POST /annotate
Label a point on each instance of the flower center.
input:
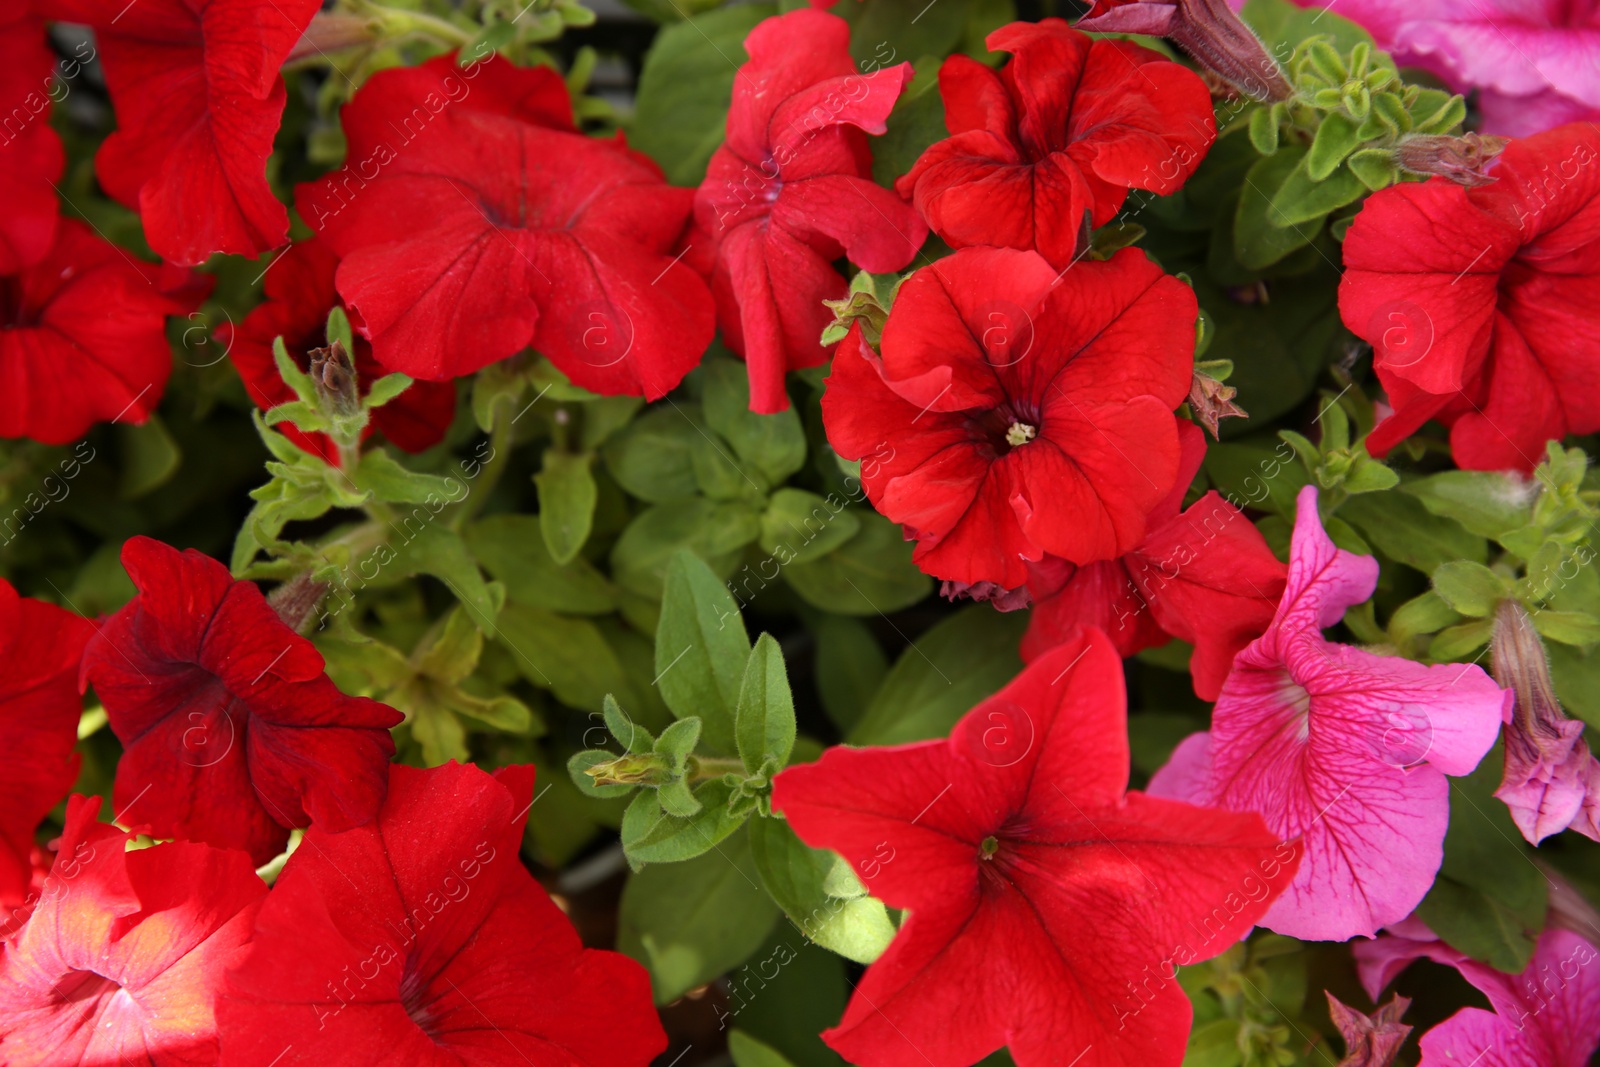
(13, 311)
(990, 846)
(1020, 434)
(414, 998)
(78, 986)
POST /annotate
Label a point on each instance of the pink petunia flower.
(1535, 63)
(1547, 1016)
(1339, 746)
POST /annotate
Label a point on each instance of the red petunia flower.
(83, 338)
(1205, 576)
(232, 732)
(300, 293)
(474, 221)
(199, 100)
(1017, 412)
(791, 190)
(40, 646)
(1049, 909)
(122, 960)
(1478, 302)
(31, 159)
(421, 939)
(1061, 133)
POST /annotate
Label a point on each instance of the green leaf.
(149, 457)
(439, 551)
(675, 838)
(857, 928)
(1375, 168)
(450, 653)
(1260, 241)
(1367, 475)
(513, 550)
(1456, 642)
(677, 799)
(295, 378)
(775, 445)
(1470, 588)
(1489, 503)
(690, 922)
(701, 649)
(1404, 530)
(1257, 472)
(1489, 899)
(441, 736)
(629, 734)
(713, 530)
(800, 526)
(567, 496)
(748, 1052)
(685, 88)
(653, 459)
(1264, 130)
(763, 723)
(1335, 139)
(945, 672)
(1304, 201)
(916, 122)
(1577, 628)
(678, 740)
(871, 574)
(568, 656)
(387, 480)
(1423, 614)
(850, 668)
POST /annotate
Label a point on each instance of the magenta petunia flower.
(1547, 1016)
(1535, 63)
(1340, 746)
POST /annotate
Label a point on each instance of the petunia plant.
(798, 532)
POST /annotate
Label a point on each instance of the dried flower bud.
(335, 378)
(1370, 1040)
(1207, 30)
(1002, 598)
(1461, 159)
(1211, 401)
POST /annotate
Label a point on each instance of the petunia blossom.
(1049, 909)
(122, 959)
(198, 99)
(1053, 142)
(1532, 62)
(791, 190)
(1546, 1016)
(1551, 780)
(232, 733)
(1019, 411)
(1477, 301)
(1340, 747)
(421, 939)
(83, 338)
(473, 220)
(31, 159)
(300, 293)
(40, 647)
(1205, 576)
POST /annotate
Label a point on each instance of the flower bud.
(335, 379)
(645, 768)
(1461, 159)
(1548, 767)
(1211, 401)
(1207, 30)
(1370, 1040)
